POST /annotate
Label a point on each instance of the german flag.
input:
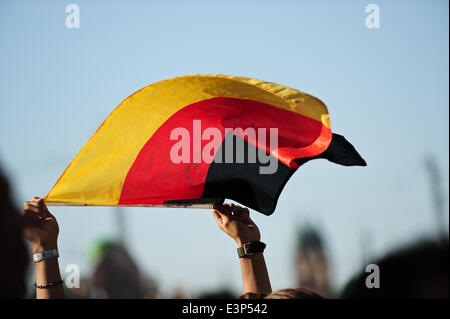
(198, 139)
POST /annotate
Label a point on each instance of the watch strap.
(252, 248)
(44, 255)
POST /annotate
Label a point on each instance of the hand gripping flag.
(197, 139)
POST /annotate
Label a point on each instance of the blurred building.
(116, 275)
(312, 266)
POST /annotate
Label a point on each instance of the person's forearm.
(47, 271)
(255, 278)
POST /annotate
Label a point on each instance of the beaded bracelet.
(49, 285)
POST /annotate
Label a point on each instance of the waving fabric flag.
(197, 139)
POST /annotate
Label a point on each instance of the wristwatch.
(44, 255)
(248, 249)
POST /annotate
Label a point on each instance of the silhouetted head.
(293, 293)
(289, 293)
(419, 271)
(218, 294)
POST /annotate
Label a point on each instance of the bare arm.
(255, 277)
(41, 229)
(236, 222)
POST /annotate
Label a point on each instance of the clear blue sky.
(386, 90)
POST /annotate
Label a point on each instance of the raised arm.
(236, 222)
(41, 229)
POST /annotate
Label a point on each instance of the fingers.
(224, 213)
(32, 206)
(221, 214)
(31, 213)
(241, 214)
(40, 204)
(219, 207)
(223, 209)
(35, 211)
(217, 216)
(232, 210)
(44, 208)
(238, 210)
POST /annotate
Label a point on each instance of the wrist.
(40, 247)
(241, 241)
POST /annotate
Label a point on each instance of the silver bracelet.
(44, 255)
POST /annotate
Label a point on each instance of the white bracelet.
(44, 255)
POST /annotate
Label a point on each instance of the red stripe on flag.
(154, 178)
